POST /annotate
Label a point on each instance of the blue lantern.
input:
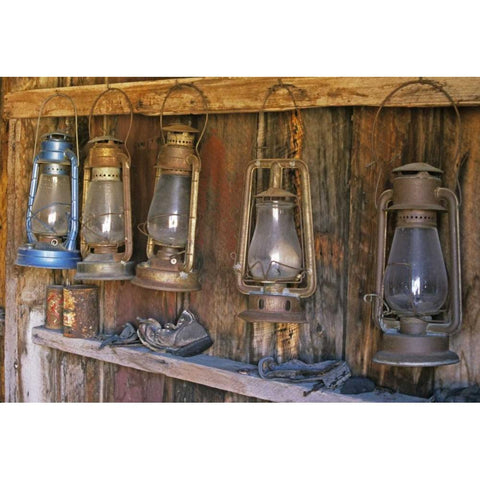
(52, 212)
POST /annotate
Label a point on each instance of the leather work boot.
(185, 338)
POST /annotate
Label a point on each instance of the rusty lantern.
(106, 234)
(172, 215)
(417, 301)
(52, 211)
(422, 306)
(276, 266)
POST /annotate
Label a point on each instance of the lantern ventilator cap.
(417, 167)
(57, 136)
(180, 127)
(105, 139)
(180, 134)
(275, 193)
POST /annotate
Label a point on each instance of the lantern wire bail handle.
(261, 124)
(111, 89)
(40, 115)
(436, 86)
(179, 86)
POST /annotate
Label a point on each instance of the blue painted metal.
(37, 255)
(56, 148)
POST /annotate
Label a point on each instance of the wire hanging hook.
(438, 87)
(179, 86)
(110, 89)
(261, 123)
(40, 116)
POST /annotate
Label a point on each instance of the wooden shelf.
(243, 94)
(215, 372)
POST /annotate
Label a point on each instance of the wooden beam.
(11, 309)
(242, 95)
(211, 371)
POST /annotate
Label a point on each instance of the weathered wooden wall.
(3, 233)
(337, 151)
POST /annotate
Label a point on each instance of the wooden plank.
(244, 94)
(225, 153)
(467, 342)
(3, 199)
(2, 360)
(328, 137)
(220, 373)
(11, 336)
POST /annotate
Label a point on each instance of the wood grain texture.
(11, 337)
(246, 95)
(327, 149)
(3, 198)
(467, 342)
(225, 153)
(215, 372)
(3, 230)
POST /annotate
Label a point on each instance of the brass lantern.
(417, 301)
(106, 234)
(172, 215)
(276, 262)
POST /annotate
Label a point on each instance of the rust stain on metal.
(80, 314)
(54, 310)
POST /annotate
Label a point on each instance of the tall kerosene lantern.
(276, 263)
(418, 303)
(172, 215)
(52, 211)
(106, 230)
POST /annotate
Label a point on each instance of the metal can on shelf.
(80, 311)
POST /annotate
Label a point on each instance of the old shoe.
(185, 338)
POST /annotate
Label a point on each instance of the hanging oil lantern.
(418, 304)
(106, 233)
(276, 266)
(276, 263)
(172, 215)
(52, 211)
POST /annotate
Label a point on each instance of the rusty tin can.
(80, 311)
(54, 309)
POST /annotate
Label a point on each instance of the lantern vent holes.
(417, 217)
(107, 175)
(261, 304)
(52, 169)
(288, 306)
(180, 139)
